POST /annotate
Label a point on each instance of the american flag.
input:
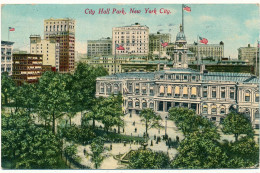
(11, 29)
(186, 8)
(203, 40)
(119, 47)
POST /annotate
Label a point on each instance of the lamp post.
(166, 118)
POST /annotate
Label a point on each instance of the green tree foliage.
(71, 153)
(7, 87)
(236, 123)
(150, 119)
(243, 153)
(147, 159)
(84, 85)
(29, 97)
(110, 111)
(197, 152)
(77, 134)
(54, 99)
(186, 120)
(27, 146)
(97, 148)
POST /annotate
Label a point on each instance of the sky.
(237, 25)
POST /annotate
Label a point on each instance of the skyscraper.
(63, 32)
(134, 39)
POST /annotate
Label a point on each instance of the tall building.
(63, 32)
(248, 54)
(48, 48)
(134, 38)
(208, 51)
(102, 47)
(27, 68)
(7, 56)
(155, 41)
(210, 94)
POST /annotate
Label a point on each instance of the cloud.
(206, 18)
(252, 23)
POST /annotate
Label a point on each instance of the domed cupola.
(181, 36)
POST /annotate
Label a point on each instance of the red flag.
(164, 44)
(203, 40)
(186, 8)
(119, 47)
(11, 29)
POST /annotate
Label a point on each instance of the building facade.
(62, 31)
(7, 56)
(134, 38)
(49, 50)
(155, 41)
(248, 54)
(208, 51)
(210, 94)
(102, 47)
(27, 67)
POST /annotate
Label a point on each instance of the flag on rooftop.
(11, 29)
(203, 40)
(119, 47)
(186, 8)
(164, 44)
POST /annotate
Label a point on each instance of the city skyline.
(214, 22)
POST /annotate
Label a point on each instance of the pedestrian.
(177, 138)
(84, 151)
(154, 137)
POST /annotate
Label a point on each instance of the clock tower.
(180, 51)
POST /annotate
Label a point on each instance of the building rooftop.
(206, 77)
(7, 42)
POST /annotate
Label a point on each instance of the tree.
(110, 112)
(187, 120)
(28, 96)
(147, 159)
(237, 123)
(7, 87)
(97, 148)
(71, 153)
(243, 153)
(84, 85)
(197, 152)
(54, 99)
(27, 146)
(150, 119)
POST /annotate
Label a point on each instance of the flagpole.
(8, 33)
(115, 59)
(197, 51)
(257, 49)
(182, 18)
(160, 52)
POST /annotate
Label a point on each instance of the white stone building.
(7, 56)
(49, 49)
(134, 38)
(210, 94)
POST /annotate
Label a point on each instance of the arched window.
(137, 104)
(102, 88)
(179, 57)
(144, 105)
(108, 89)
(247, 96)
(151, 105)
(130, 103)
(116, 88)
(222, 110)
(247, 113)
(205, 109)
(257, 114)
(214, 109)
